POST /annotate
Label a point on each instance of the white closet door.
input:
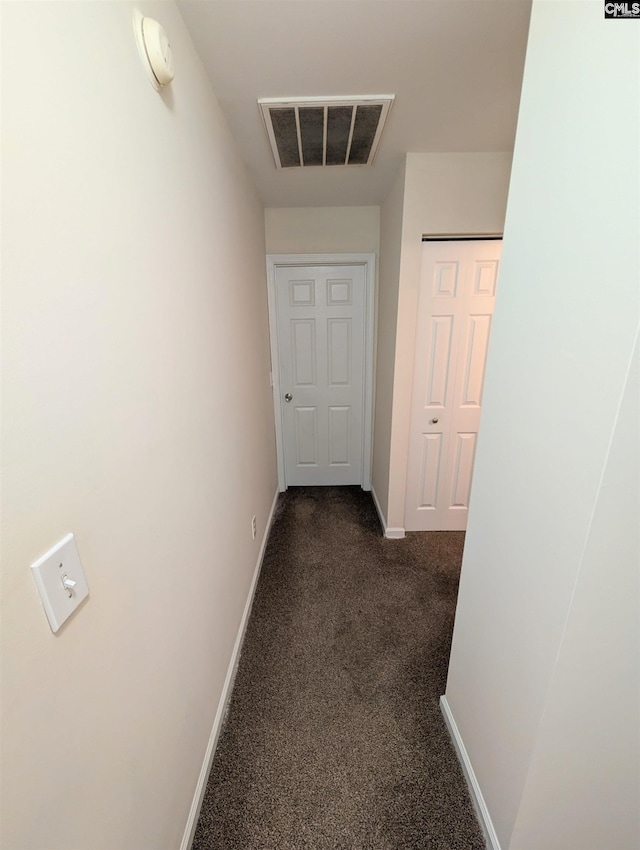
(456, 301)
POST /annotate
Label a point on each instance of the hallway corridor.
(334, 737)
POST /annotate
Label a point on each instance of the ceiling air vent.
(325, 131)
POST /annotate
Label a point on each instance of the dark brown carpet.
(334, 738)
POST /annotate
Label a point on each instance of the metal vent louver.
(325, 131)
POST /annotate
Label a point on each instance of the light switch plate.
(60, 564)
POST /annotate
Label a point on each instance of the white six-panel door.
(457, 295)
(320, 315)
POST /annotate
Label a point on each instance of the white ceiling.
(455, 67)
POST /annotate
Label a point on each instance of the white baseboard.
(381, 517)
(477, 799)
(201, 785)
(393, 533)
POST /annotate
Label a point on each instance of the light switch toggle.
(68, 584)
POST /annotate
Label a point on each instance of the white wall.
(582, 788)
(547, 713)
(322, 230)
(137, 413)
(443, 194)
(391, 221)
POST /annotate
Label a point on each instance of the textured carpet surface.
(334, 738)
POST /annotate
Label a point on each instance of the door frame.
(368, 262)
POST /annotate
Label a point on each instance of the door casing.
(368, 261)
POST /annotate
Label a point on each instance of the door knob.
(288, 397)
(434, 421)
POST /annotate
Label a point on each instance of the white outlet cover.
(48, 572)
